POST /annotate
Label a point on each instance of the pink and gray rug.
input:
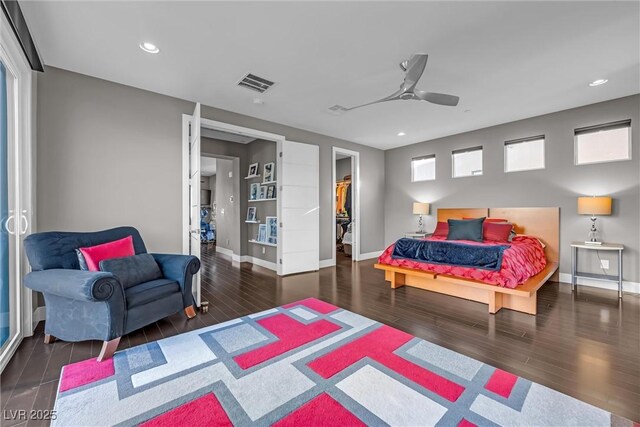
(307, 363)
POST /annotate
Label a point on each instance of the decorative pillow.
(465, 229)
(82, 261)
(116, 249)
(442, 229)
(133, 270)
(497, 231)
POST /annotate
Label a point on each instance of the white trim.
(631, 287)
(186, 120)
(324, 263)
(239, 130)
(257, 261)
(39, 315)
(355, 194)
(370, 255)
(224, 251)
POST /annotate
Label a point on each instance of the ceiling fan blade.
(438, 98)
(391, 97)
(415, 68)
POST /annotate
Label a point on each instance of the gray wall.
(559, 184)
(343, 168)
(109, 155)
(100, 143)
(228, 205)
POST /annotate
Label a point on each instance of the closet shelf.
(252, 222)
(268, 182)
(261, 200)
(252, 176)
(263, 243)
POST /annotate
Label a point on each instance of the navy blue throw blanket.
(450, 253)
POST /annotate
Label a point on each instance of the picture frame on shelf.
(253, 170)
(262, 233)
(268, 172)
(271, 191)
(263, 192)
(251, 214)
(254, 192)
(271, 229)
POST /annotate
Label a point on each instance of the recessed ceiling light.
(598, 82)
(149, 47)
(401, 134)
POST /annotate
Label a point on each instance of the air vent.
(337, 109)
(253, 82)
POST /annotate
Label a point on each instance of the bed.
(530, 261)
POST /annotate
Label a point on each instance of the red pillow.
(496, 232)
(491, 219)
(442, 230)
(116, 249)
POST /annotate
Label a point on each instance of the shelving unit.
(263, 243)
(262, 200)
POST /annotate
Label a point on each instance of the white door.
(298, 208)
(194, 195)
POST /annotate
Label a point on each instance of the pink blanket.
(524, 259)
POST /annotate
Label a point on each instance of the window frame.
(467, 150)
(522, 141)
(428, 156)
(620, 124)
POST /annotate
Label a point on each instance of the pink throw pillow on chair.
(116, 249)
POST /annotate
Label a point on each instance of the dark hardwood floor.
(586, 345)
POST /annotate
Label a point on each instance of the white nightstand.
(416, 235)
(606, 277)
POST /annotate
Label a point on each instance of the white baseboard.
(224, 251)
(257, 261)
(324, 263)
(39, 315)
(370, 255)
(632, 287)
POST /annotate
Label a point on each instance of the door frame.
(23, 186)
(213, 125)
(355, 195)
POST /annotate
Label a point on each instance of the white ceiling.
(506, 60)
(208, 166)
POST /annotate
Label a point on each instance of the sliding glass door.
(16, 319)
(7, 243)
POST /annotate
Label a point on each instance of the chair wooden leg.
(48, 339)
(108, 348)
(190, 312)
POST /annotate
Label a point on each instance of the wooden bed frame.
(543, 223)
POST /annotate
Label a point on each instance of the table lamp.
(594, 206)
(420, 209)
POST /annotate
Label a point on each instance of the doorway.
(346, 206)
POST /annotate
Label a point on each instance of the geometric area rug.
(303, 364)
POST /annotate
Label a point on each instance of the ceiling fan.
(414, 67)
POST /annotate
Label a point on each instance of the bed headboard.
(543, 223)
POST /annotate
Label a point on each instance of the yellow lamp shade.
(594, 205)
(420, 208)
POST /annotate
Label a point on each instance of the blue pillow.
(133, 270)
(465, 229)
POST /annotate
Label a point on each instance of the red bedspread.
(524, 259)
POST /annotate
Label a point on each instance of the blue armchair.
(94, 305)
